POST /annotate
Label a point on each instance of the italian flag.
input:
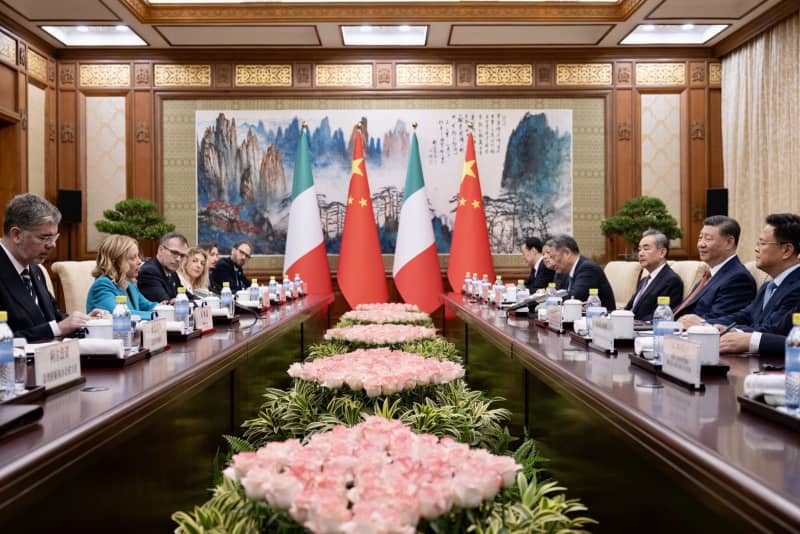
(305, 247)
(416, 265)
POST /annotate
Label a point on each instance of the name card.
(203, 319)
(154, 334)
(554, 318)
(681, 359)
(603, 333)
(57, 364)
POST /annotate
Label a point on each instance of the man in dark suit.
(30, 231)
(540, 274)
(230, 269)
(158, 280)
(661, 280)
(728, 287)
(771, 311)
(579, 273)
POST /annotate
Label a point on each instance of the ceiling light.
(400, 35)
(673, 34)
(119, 35)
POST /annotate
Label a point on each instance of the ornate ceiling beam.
(380, 12)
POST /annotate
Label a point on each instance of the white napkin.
(642, 344)
(101, 346)
(771, 385)
(248, 303)
(30, 348)
(219, 312)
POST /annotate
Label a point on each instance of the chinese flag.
(469, 250)
(361, 276)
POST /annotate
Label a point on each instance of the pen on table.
(727, 329)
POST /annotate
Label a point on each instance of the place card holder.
(26, 396)
(224, 319)
(57, 366)
(180, 337)
(112, 361)
(540, 323)
(586, 342)
(706, 371)
(760, 408)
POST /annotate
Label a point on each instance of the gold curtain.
(761, 128)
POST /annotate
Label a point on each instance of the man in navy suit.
(30, 232)
(579, 273)
(661, 280)
(771, 312)
(540, 274)
(158, 278)
(728, 287)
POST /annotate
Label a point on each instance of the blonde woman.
(117, 263)
(193, 272)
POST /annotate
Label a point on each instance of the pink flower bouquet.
(386, 317)
(388, 306)
(377, 371)
(380, 334)
(375, 477)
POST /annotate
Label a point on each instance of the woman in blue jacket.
(118, 262)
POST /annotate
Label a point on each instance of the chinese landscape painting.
(245, 164)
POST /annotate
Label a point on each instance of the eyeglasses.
(47, 239)
(243, 253)
(175, 253)
(760, 244)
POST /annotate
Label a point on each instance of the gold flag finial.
(414, 125)
(359, 125)
(469, 125)
(304, 126)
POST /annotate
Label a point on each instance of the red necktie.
(696, 291)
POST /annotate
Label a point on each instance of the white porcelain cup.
(622, 321)
(212, 302)
(166, 311)
(571, 310)
(99, 329)
(541, 313)
(708, 338)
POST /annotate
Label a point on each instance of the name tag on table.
(203, 319)
(554, 318)
(603, 333)
(154, 334)
(57, 364)
(681, 359)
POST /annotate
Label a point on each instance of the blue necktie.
(771, 287)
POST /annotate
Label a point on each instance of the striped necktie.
(642, 288)
(771, 287)
(26, 278)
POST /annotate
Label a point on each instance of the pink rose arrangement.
(380, 334)
(388, 306)
(386, 316)
(377, 371)
(375, 477)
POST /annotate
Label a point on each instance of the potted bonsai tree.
(134, 217)
(637, 215)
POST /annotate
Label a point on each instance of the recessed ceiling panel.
(62, 10)
(704, 9)
(527, 34)
(211, 36)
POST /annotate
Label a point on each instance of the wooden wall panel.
(624, 183)
(716, 175)
(9, 102)
(142, 185)
(698, 163)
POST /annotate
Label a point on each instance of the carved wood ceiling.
(466, 24)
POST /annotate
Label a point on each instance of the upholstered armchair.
(623, 277)
(76, 279)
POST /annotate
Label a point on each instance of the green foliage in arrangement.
(437, 347)
(443, 410)
(640, 214)
(529, 506)
(134, 217)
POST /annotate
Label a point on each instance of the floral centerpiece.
(380, 334)
(379, 316)
(388, 306)
(377, 371)
(376, 477)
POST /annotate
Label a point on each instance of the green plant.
(639, 214)
(134, 217)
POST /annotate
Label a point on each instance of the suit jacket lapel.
(18, 291)
(42, 293)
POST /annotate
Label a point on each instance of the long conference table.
(669, 459)
(130, 446)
